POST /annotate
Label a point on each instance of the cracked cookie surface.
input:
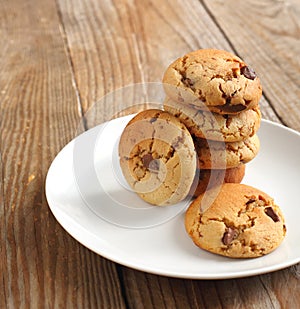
(157, 157)
(209, 125)
(219, 155)
(241, 222)
(214, 79)
(208, 179)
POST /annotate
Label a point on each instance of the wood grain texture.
(114, 44)
(41, 265)
(151, 291)
(266, 35)
(60, 60)
(3, 291)
(133, 42)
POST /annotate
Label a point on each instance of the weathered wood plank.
(266, 35)
(118, 43)
(41, 265)
(3, 291)
(151, 291)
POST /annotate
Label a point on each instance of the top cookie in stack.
(216, 95)
(213, 79)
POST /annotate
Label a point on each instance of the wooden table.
(60, 57)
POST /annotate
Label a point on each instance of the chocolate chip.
(231, 108)
(272, 214)
(229, 235)
(251, 200)
(153, 119)
(147, 158)
(150, 163)
(248, 72)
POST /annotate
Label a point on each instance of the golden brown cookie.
(208, 179)
(213, 79)
(157, 157)
(212, 126)
(219, 155)
(241, 222)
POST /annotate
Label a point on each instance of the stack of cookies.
(202, 139)
(216, 95)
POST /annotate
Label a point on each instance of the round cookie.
(219, 155)
(213, 79)
(241, 222)
(212, 126)
(208, 179)
(157, 157)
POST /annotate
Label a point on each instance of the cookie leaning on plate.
(213, 79)
(241, 222)
(157, 157)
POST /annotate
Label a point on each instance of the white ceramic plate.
(89, 198)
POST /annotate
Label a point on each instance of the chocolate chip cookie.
(157, 157)
(208, 179)
(219, 155)
(212, 126)
(213, 79)
(241, 222)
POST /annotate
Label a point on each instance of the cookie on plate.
(208, 179)
(212, 126)
(241, 222)
(213, 79)
(157, 157)
(219, 155)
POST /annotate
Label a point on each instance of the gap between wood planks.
(3, 301)
(236, 53)
(71, 64)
